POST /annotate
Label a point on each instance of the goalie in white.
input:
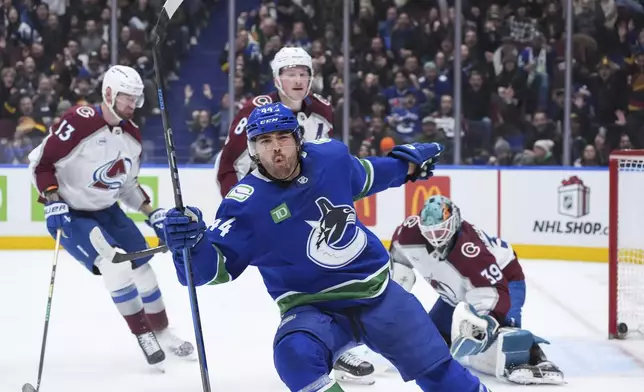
(482, 292)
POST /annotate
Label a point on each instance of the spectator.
(401, 71)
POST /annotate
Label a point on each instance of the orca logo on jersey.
(335, 240)
(112, 175)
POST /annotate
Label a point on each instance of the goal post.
(626, 243)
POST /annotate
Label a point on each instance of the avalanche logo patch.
(111, 175)
(335, 240)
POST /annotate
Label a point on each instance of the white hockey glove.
(471, 333)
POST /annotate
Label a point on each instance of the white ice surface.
(90, 348)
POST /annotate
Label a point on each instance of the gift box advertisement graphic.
(574, 198)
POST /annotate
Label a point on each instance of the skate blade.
(159, 367)
(344, 377)
(28, 388)
(525, 377)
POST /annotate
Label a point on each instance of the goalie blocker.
(482, 291)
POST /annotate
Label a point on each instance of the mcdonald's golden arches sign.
(417, 192)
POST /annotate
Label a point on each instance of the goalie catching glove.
(423, 155)
(471, 333)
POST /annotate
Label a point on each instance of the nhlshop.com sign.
(556, 207)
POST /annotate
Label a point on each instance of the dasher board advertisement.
(548, 214)
(564, 208)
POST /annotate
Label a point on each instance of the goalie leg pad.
(511, 357)
(511, 348)
(471, 333)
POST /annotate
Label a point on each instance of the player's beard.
(283, 163)
(124, 115)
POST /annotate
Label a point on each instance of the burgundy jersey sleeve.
(75, 124)
(489, 292)
(234, 159)
(513, 271)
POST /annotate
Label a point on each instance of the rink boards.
(545, 213)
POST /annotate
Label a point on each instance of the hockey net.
(626, 244)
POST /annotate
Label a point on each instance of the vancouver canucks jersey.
(305, 238)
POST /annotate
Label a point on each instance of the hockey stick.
(28, 387)
(158, 35)
(108, 252)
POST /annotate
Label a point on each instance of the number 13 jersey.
(91, 163)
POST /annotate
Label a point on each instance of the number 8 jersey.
(90, 163)
(475, 268)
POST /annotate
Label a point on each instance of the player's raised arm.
(408, 162)
(220, 253)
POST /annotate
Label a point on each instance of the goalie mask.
(440, 219)
(289, 58)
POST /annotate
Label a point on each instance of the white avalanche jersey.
(476, 269)
(90, 163)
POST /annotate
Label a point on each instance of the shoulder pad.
(261, 100)
(409, 232)
(321, 99)
(330, 146)
(240, 193)
(81, 113)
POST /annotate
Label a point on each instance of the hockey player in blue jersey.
(293, 218)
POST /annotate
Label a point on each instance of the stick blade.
(103, 248)
(28, 388)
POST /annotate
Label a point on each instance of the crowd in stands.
(402, 78)
(513, 52)
(53, 54)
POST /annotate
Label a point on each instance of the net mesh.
(630, 244)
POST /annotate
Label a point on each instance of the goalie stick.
(28, 387)
(158, 36)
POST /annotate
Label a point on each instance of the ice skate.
(539, 371)
(353, 369)
(543, 373)
(152, 350)
(177, 346)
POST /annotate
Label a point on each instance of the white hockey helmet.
(288, 57)
(122, 79)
